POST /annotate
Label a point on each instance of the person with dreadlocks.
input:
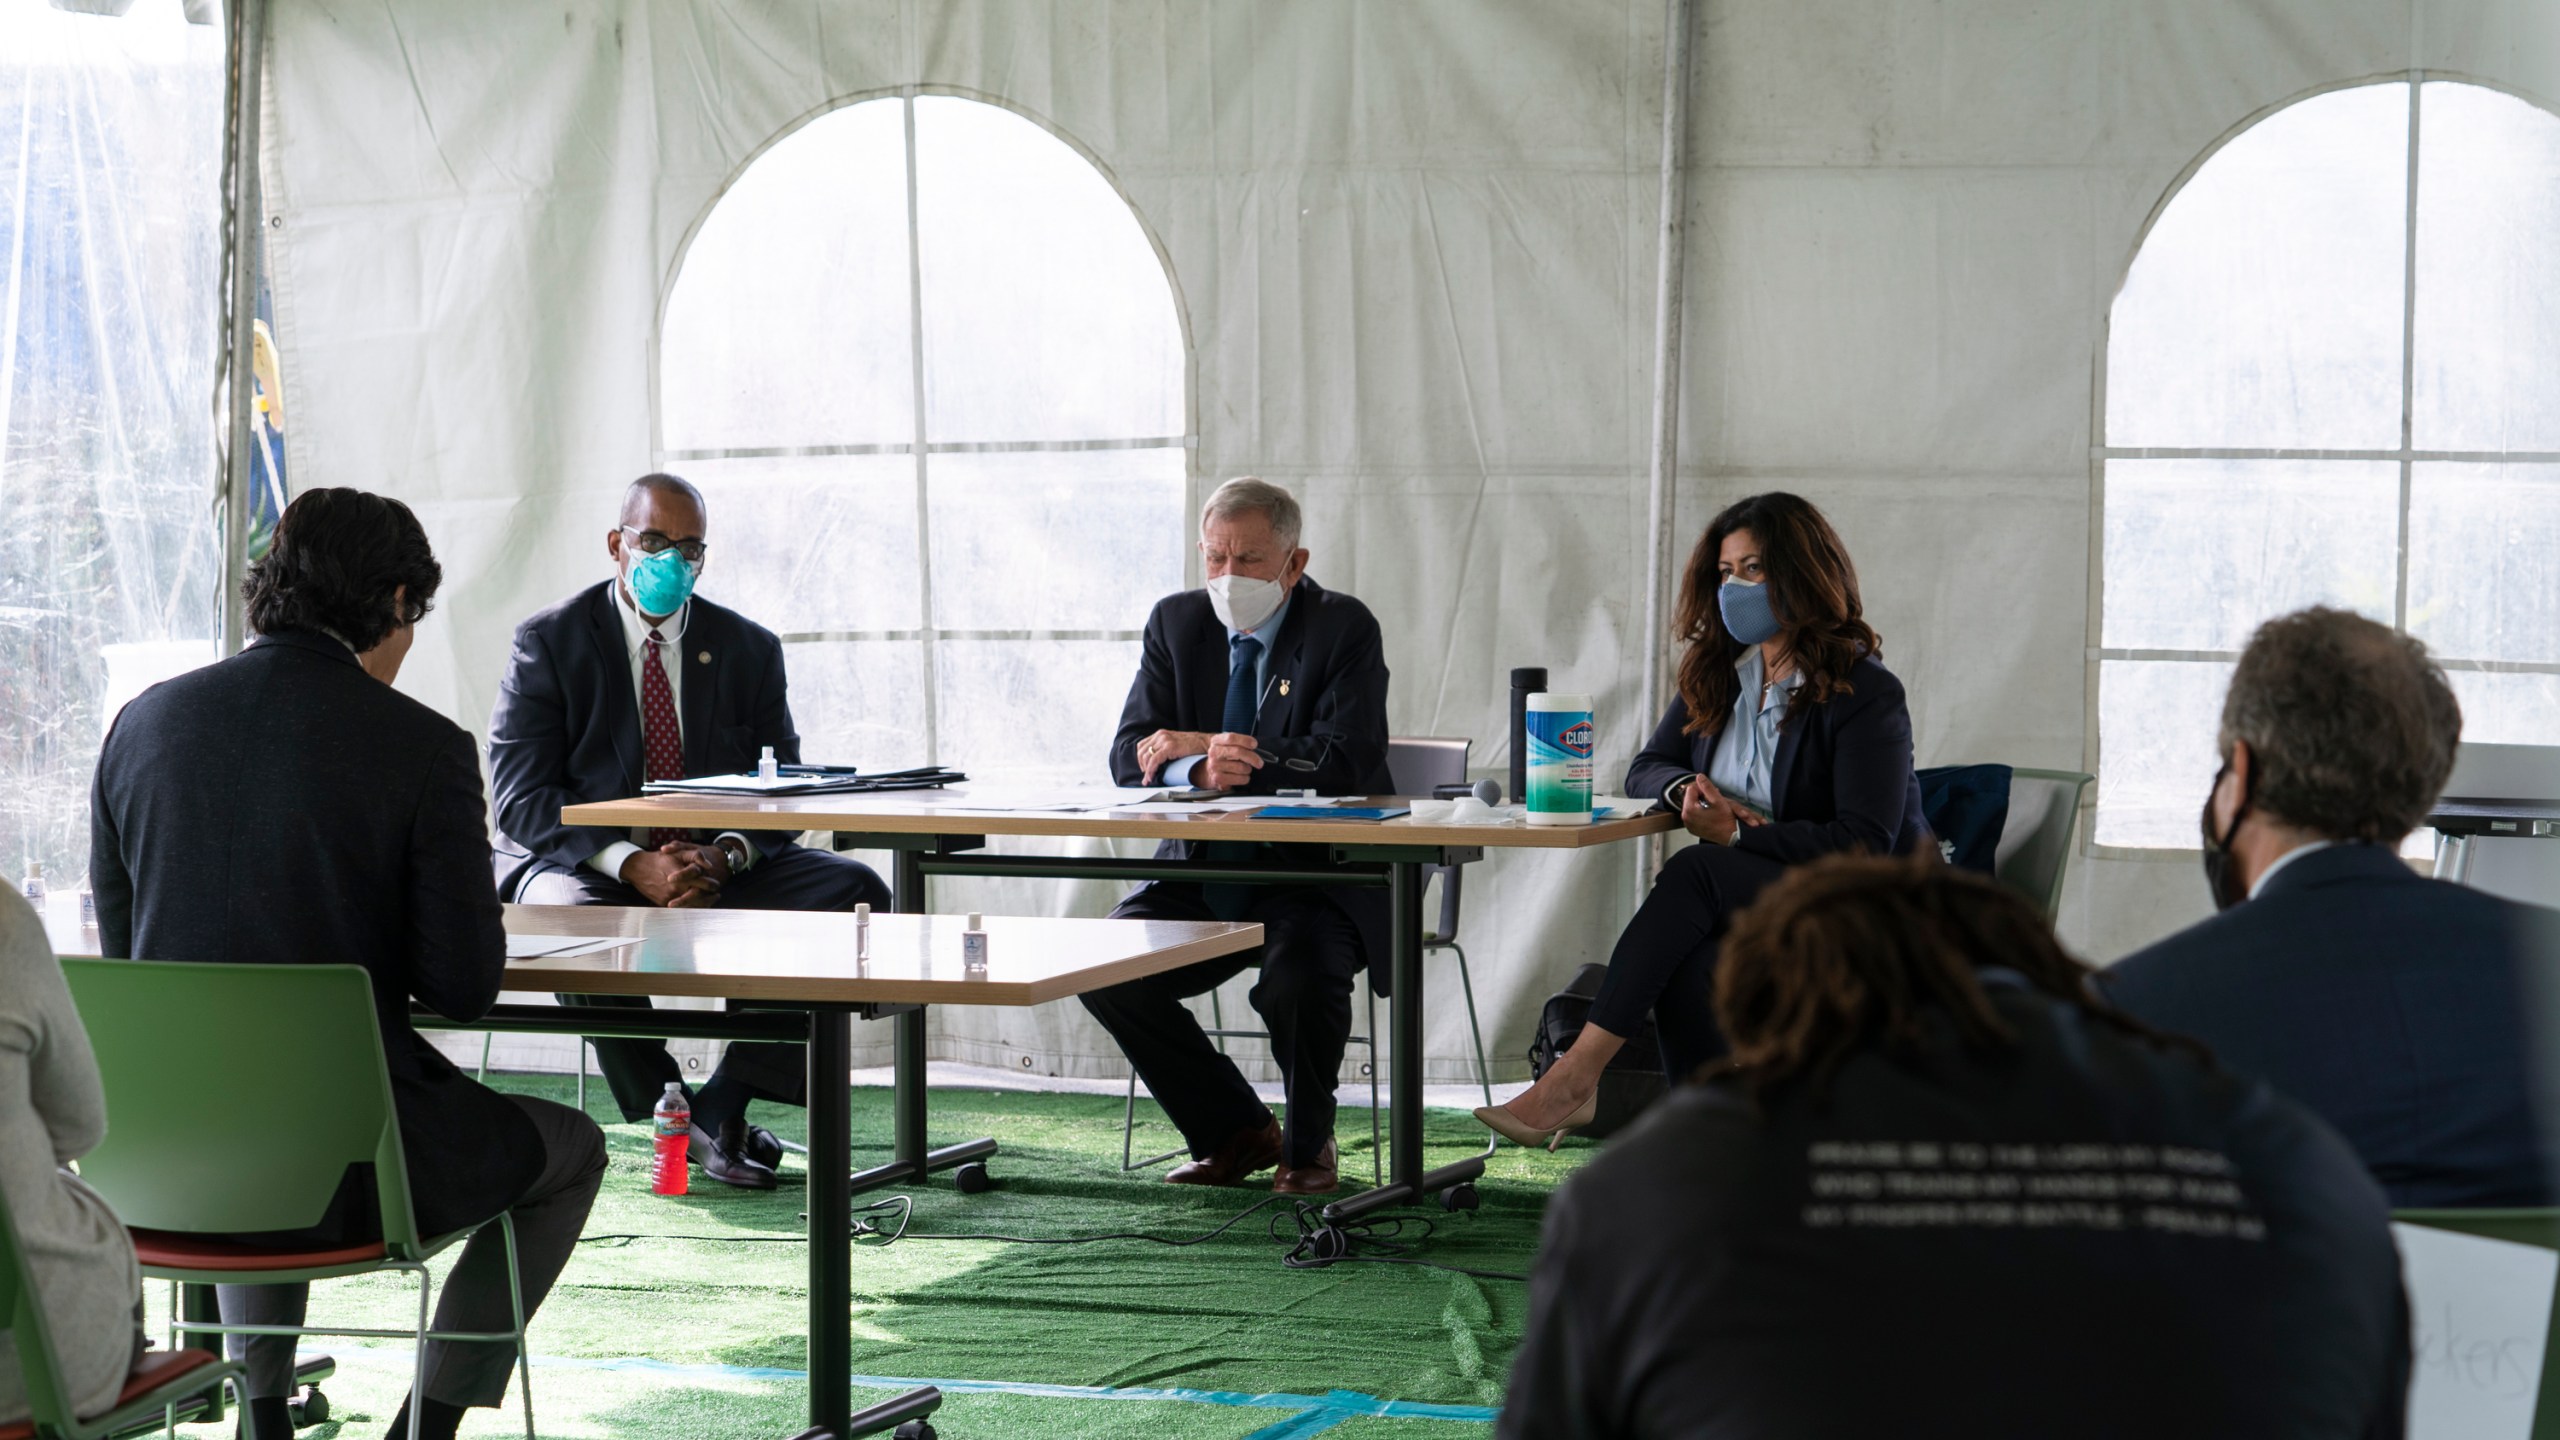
(1938, 1186)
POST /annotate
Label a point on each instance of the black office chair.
(1421, 765)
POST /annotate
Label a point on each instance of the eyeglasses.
(653, 543)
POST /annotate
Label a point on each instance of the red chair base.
(172, 1250)
(155, 1369)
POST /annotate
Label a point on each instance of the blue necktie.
(1242, 703)
(1229, 902)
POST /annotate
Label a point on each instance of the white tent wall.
(1908, 222)
(1414, 247)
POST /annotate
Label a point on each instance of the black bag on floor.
(1634, 1077)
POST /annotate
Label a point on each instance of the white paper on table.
(1202, 807)
(1068, 799)
(554, 947)
(2481, 1313)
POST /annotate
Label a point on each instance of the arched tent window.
(929, 371)
(2333, 376)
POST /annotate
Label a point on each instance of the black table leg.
(830, 1219)
(909, 1159)
(1407, 1181)
(196, 1302)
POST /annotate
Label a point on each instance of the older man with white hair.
(1262, 681)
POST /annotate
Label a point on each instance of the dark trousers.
(1311, 956)
(547, 1221)
(1666, 957)
(793, 878)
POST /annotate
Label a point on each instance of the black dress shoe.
(764, 1147)
(724, 1158)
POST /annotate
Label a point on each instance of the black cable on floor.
(1315, 1244)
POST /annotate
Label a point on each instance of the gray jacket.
(53, 1111)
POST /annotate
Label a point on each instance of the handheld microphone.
(1488, 791)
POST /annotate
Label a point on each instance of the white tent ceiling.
(1414, 245)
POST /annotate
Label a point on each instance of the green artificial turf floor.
(688, 1316)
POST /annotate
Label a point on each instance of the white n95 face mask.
(1243, 602)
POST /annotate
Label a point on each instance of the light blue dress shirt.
(1745, 762)
(1178, 774)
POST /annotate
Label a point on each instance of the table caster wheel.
(309, 1408)
(914, 1430)
(972, 1179)
(1460, 1197)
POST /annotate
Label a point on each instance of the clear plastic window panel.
(2508, 708)
(1047, 313)
(2198, 552)
(110, 152)
(2488, 294)
(858, 702)
(2484, 561)
(1055, 539)
(2265, 308)
(2157, 724)
(1038, 710)
(813, 543)
(788, 324)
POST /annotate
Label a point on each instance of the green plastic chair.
(159, 1381)
(204, 1146)
(2520, 1227)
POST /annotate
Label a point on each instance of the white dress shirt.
(2287, 858)
(635, 639)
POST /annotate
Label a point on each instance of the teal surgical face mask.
(660, 583)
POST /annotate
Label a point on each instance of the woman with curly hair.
(1789, 741)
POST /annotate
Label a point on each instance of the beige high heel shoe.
(1502, 1122)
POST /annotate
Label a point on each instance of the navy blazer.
(1842, 779)
(284, 807)
(566, 730)
(1323, 721)
(2391, 1004)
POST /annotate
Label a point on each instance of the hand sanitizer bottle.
(33, 888)
(767, 768)
(973, 946)
(862, 931)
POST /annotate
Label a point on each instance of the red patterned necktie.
(660, 735)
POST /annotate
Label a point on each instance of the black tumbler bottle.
(1525, 682)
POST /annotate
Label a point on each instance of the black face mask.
(2221, 875)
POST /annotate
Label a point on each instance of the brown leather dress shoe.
(1245, 1152)
(1320, 1176)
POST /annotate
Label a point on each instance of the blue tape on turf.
(1317, 1413)
(1300, 1425)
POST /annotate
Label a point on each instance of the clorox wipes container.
(1559, 741)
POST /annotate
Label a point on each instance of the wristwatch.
(736, 850)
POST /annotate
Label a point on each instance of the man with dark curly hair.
(2396, 1007)
(288, 807)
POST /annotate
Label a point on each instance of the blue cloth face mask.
(1745, 607)
(660, 583)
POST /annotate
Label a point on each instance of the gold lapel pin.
(704, 657)
(1284, 687)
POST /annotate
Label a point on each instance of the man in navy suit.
(1263, 681)
(637, 679)
(2399, 1008)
